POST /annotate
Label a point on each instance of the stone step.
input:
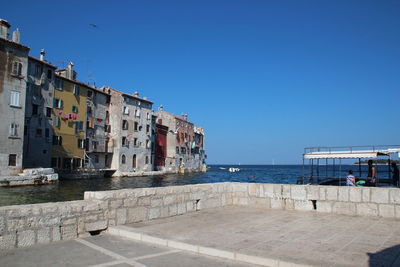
(131, 233)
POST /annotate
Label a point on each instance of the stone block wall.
(26, 225)
(363, 201)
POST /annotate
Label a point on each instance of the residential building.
(179, 144)
(38, 130)
(13, 75)
(69, 111)
(132, 132)
(98, 151)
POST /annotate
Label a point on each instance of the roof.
(131, 96)
(81, 83)
(43, 61)
(177, 117)
(351, 154)
(14, 43)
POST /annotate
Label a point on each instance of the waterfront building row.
(51, 119)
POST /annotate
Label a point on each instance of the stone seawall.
(26, 225)
(363, 201)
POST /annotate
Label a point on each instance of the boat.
(222, 168)
(234, 170)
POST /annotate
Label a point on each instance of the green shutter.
(61, 104)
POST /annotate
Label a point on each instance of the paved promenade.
(228, 236)
(277, 237)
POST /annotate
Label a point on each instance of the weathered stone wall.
(26, 225)
(364, 201)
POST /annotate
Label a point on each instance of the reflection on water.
(73, 189)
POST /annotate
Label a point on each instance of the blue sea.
(73, 189)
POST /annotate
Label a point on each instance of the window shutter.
(19, 68)
(61, 104)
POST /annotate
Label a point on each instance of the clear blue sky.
(265, 78)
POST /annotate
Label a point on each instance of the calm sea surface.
(73, 189)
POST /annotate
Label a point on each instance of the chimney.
(42, 54)
(4, 29)
(136, 94)
(16, 36)
(161, 108)
(145, 97)
(185, 116)
(70, 71)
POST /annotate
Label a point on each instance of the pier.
(237, 224)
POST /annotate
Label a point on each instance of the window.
(35, 109)
(148, 116)
(57, 122)
(57, 140)
(48, 112)
(35, 90)
(49, 74)
(25, 130)
(124, 141)
(136, 126)
(75, 109)
(177, 149)
(147, 159)
(81, 143)
(38, 132)
(47, 133)
(58, 103)
(89, 93)
(134, 161)
(148, 143)
(123, 159)
(12, 160)
(183, 150)
(96, 158)
(135, 142)
(94, 145)
(78, 126)
(137, 113)
(17, 69)
(126, 110)
(38, 70)
(15, 99)
(14, 130)
(55, 162)
(147, 128)
(59, 84)
(124, 125)
(76, 90)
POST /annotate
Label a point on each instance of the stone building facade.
(184, 144)
(38, 132)
(98, 154)
(13, 75)
(132, 133)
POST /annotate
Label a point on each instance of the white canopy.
(350, 154)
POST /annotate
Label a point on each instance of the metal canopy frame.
(316, 154)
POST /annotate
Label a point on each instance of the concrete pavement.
(106, 250)
(276, 237)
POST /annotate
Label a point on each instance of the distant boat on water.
(222, 168)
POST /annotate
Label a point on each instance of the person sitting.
(351, 179)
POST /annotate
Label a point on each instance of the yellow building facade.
(69, 124)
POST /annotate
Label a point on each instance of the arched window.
(123, 159)
(134, 161)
